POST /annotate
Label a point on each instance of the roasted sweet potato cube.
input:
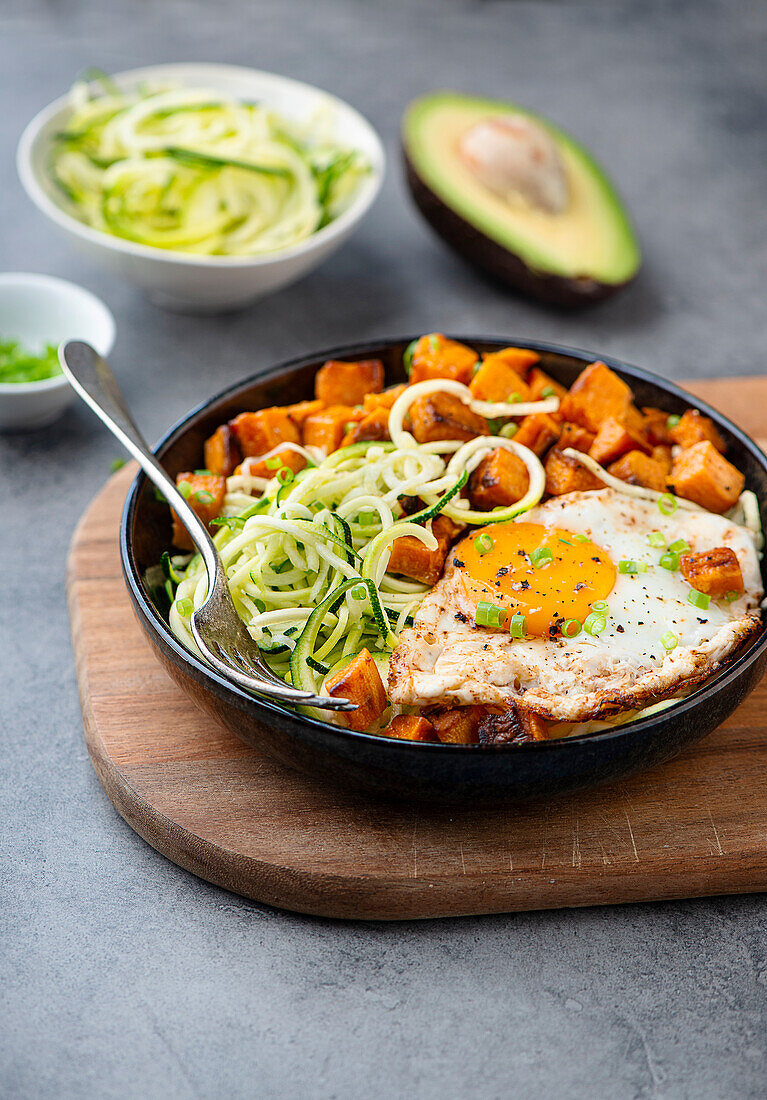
(538, 431)
(458, 725)
(360, 682)
(222, 453)
(566, 475)
(637, 468)
(339, 383)
(442, 415)
(500, 479)
(205, 493)
(260, 432)
(540, 384)
(385, 400)
(411, 727)
(434, 356)
(615, 438)
(410, 557)
(373, 426)
(573, 435)
(694, 428)
(521, 359)
(655, 423)
(596, 394)
(328, 427)
(715, 572)
(298, 413)
(496, 380)
(515, 726)
(662, 455)
(704, 476)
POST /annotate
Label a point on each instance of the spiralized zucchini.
(194, 170)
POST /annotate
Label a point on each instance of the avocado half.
(583, 253)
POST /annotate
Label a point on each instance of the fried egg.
(552, 566)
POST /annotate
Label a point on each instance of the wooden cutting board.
(695, 826)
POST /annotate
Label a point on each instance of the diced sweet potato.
(540, 383)
(655, 423)
(566, 475)
(704, 476)
(458, 725)
(615, 438)
(328, 427)
(259, 432)
(410, 557)
(339, 383)
(521, 359)
(373, 426)
(298, 413)
(515, 726)
(538, 431)
(695, 428)
(662, 455)
(715, 572)
(573, 435)
(222, 453)
(497, 380)
(385, 400)
(596, 394)
(637, 468)
(410, 727)
(442, 415)
(360, 682)
(500, 479)
(434, 356)
(205, 493)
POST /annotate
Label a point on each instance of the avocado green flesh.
(591, 238)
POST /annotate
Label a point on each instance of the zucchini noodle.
(195, 170)
(637, 491)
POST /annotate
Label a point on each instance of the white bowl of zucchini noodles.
(207, 186)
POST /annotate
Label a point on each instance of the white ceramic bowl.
(39, 310)
(179, 280)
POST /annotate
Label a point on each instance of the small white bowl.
(178, 280)
(39, 310)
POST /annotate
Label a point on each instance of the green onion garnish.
(602, 606)
(594, 624)
(204, 473)
(203, 496)
(483, 543)
(350, 425)
(185, 489)
(670, 562)
(571, 628)
(698, 599)
(565, 542)
(518, 626)
(669, 641)
(366, 519)
(581, 538)
(407, 356)
(541, 557)
(679, 547)
(629, 566)
(655, 538)
(667, 504)
(673, 421)
(184, 608)
(359, 593)
(730, 596)
(508, 431)
(476, 367)
(285, 475)
(273, 463)
(514, 399)
(489, 614)
(548, 391)
(116, 464)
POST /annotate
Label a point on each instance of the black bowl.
(415, 770)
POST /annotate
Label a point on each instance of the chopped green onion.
(730, 596)
(184, 608)
(494, 425)
(273, 463)
(594, 624)
(667, 504)
(204, 473)
(679, 547)
(541, 557)
(571, 628)
(433, 343)
(602, 606)
(476, 367)
(350, 425)
(483, 543)
(672, 421)
(629, 566)
(698, 599)
(656, 538)
(116, 464)
(508, 431)
(359, 593)
(565, 542)
(366, 519)
(670, 562)
(669, 641)
(581, 538)
(407, 356)
(285, 475)
(203, 496)
(518, 626)
(158, 495)
(548, 391)
(514, 399)
(185, 489)
(489, 614)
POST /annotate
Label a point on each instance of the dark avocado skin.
(485, 253)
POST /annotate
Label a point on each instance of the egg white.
(443, 659)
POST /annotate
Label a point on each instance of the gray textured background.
(123, 976)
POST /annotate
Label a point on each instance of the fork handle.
(90, 376)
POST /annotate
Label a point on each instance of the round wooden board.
(695, 826)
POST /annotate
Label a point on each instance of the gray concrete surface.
(123, 976)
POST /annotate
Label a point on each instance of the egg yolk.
(545, 574)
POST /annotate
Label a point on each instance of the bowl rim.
(733, 671)
(362, 202)
(65, 287)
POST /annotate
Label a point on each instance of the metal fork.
(216, 627)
